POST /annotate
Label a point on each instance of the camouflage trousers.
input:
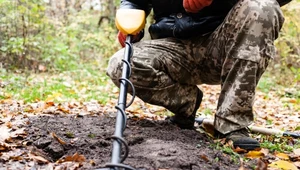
(166, 72)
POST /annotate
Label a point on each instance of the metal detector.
(129, 22)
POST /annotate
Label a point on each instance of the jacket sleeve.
(137, 4)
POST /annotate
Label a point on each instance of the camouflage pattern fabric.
(166, 72)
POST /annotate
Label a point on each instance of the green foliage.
(85, 84)
(266, 84)
(80, 40)
(31, 37)
(279, 144)
(227, 150)
(19, 21)
(288, 43)
(284, 72)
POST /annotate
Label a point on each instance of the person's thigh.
(159, 63)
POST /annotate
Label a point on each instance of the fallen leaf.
(297, 151)
(19, 134)
(92, 162)
(239, 150)
(68, 166)
(16, 158)
(293, 101)
(49, 103)
(264, 151)
(209, 129)
(74, 158)
(4, 147)
(204, 157)
(284, 165)
(242, 165)
(53, 97)
(262, 165)
(78, 158)
(9, 124)
(58, 139)
(297, 164)
(8, 140)
(254, 154)
(38, 159)
(61, 108)
(282, 156)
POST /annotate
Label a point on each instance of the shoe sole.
(247, 146)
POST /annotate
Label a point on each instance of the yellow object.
(130, 21)
(284, 165)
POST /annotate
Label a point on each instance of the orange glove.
(194, 6)
(135, 38)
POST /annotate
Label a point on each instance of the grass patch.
(235, 157)
(279, 144)
(266, 84)
(84, 84)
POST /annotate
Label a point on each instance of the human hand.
(194, 6)
(135, 38)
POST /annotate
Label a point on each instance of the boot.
(240, 138)
(187, 122)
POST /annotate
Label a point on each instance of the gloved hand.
(135, 38)
(194, 6)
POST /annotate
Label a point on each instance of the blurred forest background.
(77, 37)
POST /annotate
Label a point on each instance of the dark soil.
(153, 144)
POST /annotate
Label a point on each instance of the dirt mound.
(153, 144)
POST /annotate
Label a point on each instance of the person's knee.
(114, 68)
(264, 14)
(266, 10)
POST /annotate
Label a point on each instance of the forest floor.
(78, 135)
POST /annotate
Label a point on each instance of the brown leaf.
(19, 134)
(9, 125)
(242, 165)
(16, 158)
(38, 159)
(239, 150)
(8, 140)
(78, 158)
(68, 166)
(60, 108)
(209, 129)
(204, 157)
(58, 139)
(293, 101)
(262, 165)
(4, 147)
(74, 158)
(49, 103)
(92, 162)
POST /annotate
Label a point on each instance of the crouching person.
(203, 42)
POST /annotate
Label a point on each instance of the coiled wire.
(120, 139)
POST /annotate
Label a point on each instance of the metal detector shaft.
(120, 124)
(256, 129)
(121, 118)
